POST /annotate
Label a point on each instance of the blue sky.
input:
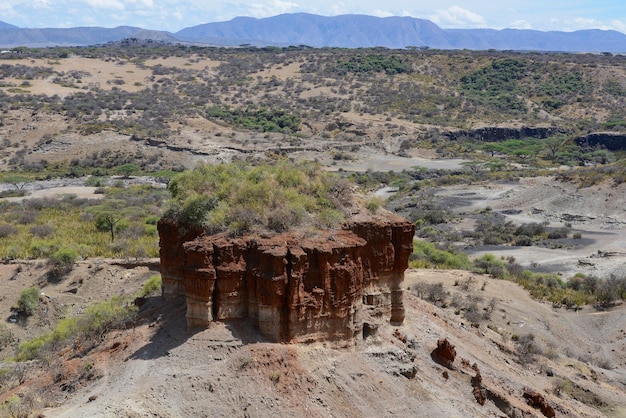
(173, 15)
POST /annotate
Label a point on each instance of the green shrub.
(63, 260)
(28, 301)
(93, 323)
(427, 255)
(489, 264)
(6, 336)
(152, 286)
(373, 204)
(329, 218)
(43, 248)
(106, 315)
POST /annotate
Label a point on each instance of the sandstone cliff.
(320, 286)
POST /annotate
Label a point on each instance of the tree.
(127, 170)
(108, 222)
(474, 167)
(62, 262)
(553, 145)
(17, 180)
(109, 215)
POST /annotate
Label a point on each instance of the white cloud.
(457, 17)
(41, 4)
(577, 23)
(618, 25)
(335, 10)
(106, 4)
(520, 24)
(144, 3)
(7, 12)
(382, 13)
(271, 8)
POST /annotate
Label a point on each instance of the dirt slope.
(161, 369)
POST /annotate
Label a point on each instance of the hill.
(5, 25)
(47, 37)
(160, 368)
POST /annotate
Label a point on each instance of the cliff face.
(497, 134)
(320, 287)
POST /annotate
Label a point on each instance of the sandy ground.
(597, 213)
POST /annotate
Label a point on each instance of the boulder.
(444, 354)
(537, 401)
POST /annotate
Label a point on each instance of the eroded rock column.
(171, 251)
(199, 282)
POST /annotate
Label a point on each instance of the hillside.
(5, 25)
(162, 369)
(506, 163)
(213, 103)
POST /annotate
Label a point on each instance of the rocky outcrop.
(171, 240)
(498, 134)
(320, 286)
(609, 140)
(537, 401)
(444, 354)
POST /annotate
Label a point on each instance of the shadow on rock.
(169, 319)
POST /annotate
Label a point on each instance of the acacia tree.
(107, 222)
(128, 170)
(554, 145)
(109, 216)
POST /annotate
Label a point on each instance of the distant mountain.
(592, 40)
(5, 25)
(80, 36)
(354, 31)
(347, 31)
(350, 31)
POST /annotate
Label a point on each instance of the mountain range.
(344, 31)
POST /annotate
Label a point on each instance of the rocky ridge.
(329, 285)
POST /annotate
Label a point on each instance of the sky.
(173, 15)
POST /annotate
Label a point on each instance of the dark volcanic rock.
(497, 134)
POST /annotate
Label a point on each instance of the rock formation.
(320, 285)
(498, 134)
(537, 401)
(444, 354)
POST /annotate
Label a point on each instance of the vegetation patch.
(66, 229)
(264, 120)
(427, 255)
(97, 320)
(28, 301)
(389, 64)
(238, 197)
